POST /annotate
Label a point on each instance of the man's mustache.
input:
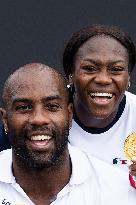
(39, 130)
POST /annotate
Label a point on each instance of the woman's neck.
(87, 119)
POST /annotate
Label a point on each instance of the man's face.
(38, 118)
(100, 76)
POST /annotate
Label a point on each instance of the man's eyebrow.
(24, 100)
(52, 97)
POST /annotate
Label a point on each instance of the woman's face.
(100, 76)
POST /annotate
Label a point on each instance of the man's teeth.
(41, 137)
(101, 95)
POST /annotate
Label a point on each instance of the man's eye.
(53, 107)
(23, 107)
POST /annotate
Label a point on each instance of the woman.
(98, 61)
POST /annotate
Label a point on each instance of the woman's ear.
(71, 84)
(70, 79)
(3, 117)
(128, 85)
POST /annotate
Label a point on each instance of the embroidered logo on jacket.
(119, 161)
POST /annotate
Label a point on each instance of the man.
(41, 169)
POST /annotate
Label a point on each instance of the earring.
(129, 84)
(71, 88)
(6, 132)
(68, 86)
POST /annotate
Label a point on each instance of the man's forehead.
(34, 81)
(32, 90)
(35, 73)
(47, 82)
(25, 78)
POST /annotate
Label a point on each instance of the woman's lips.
(101, 98)
(101, 94)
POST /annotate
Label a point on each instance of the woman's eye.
(89, 68)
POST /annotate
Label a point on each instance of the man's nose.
(39, 117)
(103, 77)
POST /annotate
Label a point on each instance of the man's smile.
(40, 141)
(40, 137)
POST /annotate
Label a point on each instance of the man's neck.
(42, 186)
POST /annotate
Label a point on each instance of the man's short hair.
(7, 85)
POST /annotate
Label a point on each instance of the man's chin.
(39, 160)
(32, 159)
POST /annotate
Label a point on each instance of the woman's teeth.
(109, 95)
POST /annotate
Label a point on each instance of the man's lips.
(40, 141)
(40, 137)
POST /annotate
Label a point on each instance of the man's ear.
(70, 113)
(3, 117)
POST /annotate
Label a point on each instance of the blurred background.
(37, 31)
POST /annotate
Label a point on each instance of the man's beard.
(37, 159)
